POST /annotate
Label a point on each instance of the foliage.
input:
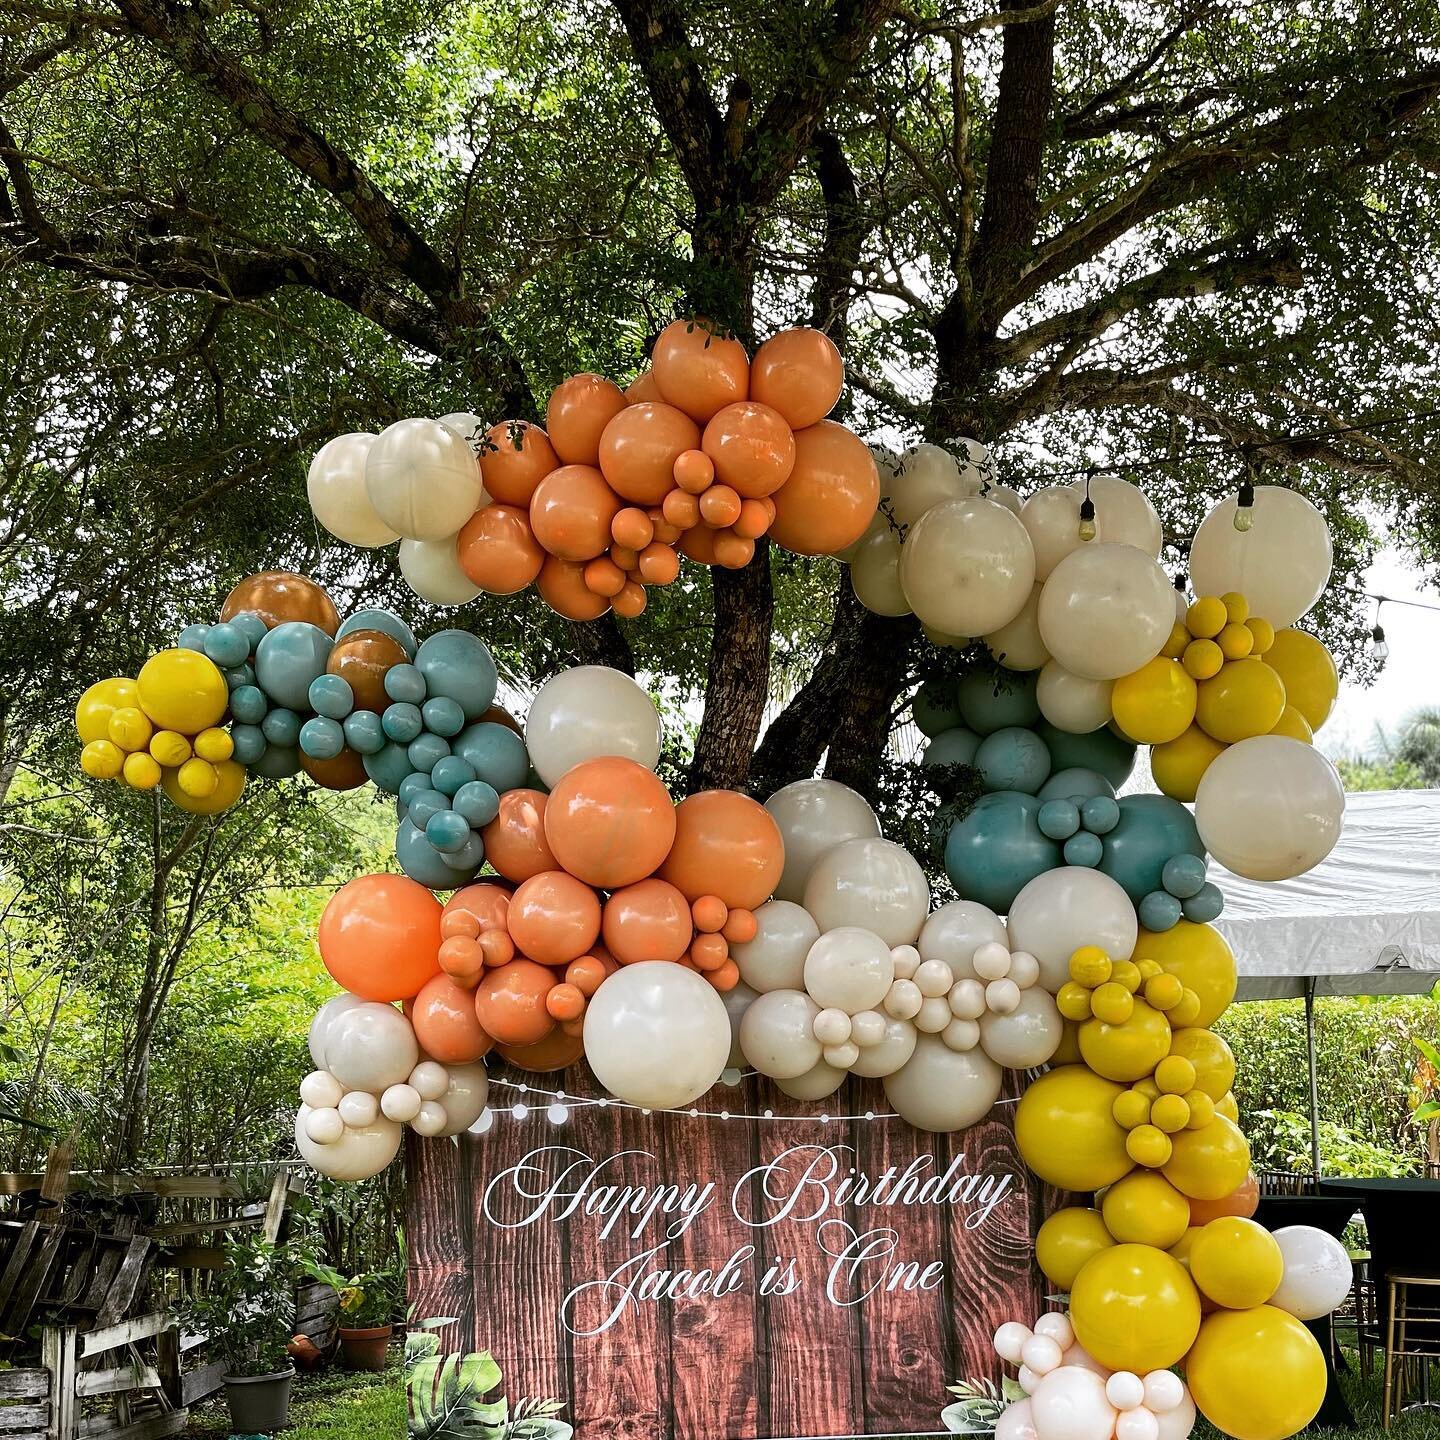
(367, 1300)
(1358, 772)
(333, 1404)
(249, 1309)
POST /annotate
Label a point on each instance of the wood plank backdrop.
(816, 1311)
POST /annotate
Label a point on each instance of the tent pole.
(1314, 1076)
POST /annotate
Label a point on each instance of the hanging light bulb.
(1379, 650)
(1087, 514)
(1245, 500)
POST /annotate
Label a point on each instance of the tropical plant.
(1425, 1095)
(248, 1312)
(367, 1300)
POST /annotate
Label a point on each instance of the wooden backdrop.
(743, 1365)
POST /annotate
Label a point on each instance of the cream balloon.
(429, 1080)
(1004, 495)
(775, 958)
(928, 476)
(1106, 610)
(1280, 564)
(356, 1155)
(1073, 702)
(1016, 1422)
(335, 487)
(940, 1089)
(656, 1034)
(1270, 808)
(872, 883)
(1028, 1036)
(1070, 1404)
(320, 1090)
(956, 931)
(432, 570)
(1051, 517)
(875, 574)
(1018, 646)
(815, 1084)
(737, 1000)
(587, 712)
(359, 1108)
(401, 1103)
(1317, 1274)
(324, 1126)
(814, 816)
(422, 479)
(470, 428)
(1063, 909)
(1123, 513)
(371, 1047)
(325, 1017)
(464, 1098)
(849, 969)
(893, 1050)
(967, 567)
(778, 1034)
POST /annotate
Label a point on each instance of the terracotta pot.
(259, 1404)
(304, 1352)
(365, 1349)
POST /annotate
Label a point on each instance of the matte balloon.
(1051, 517)
(359, 1154)
(515, 457)
(1107, 610)
(997, 700)
(1101, 750)
(288, 660)
(849, 969)
(586, 712)
(229, 785)
(466, 1091)
(699, 369)
(495, 751)
(875, 574)
(1066, 1240)
(955, 931)
(997, 849)
(952, 747)
(422, 479)
(778, 1034)
(1018, 644)
(1235, 1262)
(432, 569)
(1012, 759)
(815, 1084)
(925, 476)
(940, 1089)
(936, 707)
(1057, 913)
(1317, 1272)
(1152, 830)
(726, 844)
(1073, 703)
(578, 411)
(1135, 1308)
(775, 958)
(276, 596)
(325, 1017)
(1200, 958)
(814, 816)
(99, 702)
(1209, 1163)
(1155, 703)
(379, 935)
(369, 1047)
(335, 487)
(515, 840)
(872, 883)
(639, 448)
(1245, 698)
(445, 1022)
(610, 822)
(831, 495)
(800, 373)
(425, 864)
(498, 551)
(1067, 1132)
(1308, 672)
(459, 667)
(1123, 513)
(889, 1053)
(1027, 1036)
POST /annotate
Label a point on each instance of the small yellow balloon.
(1090, 966)
(1199, 957)
(1187, 1012)
(170, 748)
(1129, 1050)
(1202, 1109)
(230, 783)
(99, 702)
(1174, 647)
(1149, 1145)
(1262, 634)
(1131, 1108)
(1135, 1308)
(1245, 699)
(1175, 1075)
(1212, 1058)
(1256, 1374)
(130, 729)
(1235, 1262)
(1235, 641)
(1182, 1247)
(1127, 974)
(1178, 766)
(1066, 1131)
(1072, 1000)
(1148, 969)
(214, 745)
(102, 760)
(1227, 1106)
(1295, 725)
(199, 779)
(1202, 659)
(1155, 703)
(1170, 1113)
(1069, 1051)
(1112, 1003)
(1163, 991)
(1067, 1240)
(1210, 1163)
(182, 690)
(1206, 617)
(141, 772)
(1308, 672)
(1144, 1208)
(1237, 607)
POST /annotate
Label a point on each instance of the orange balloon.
(639, 448)
(709, 912)
(632, 528)
(610, 822)
(800, 373)
(643, 390)
(681, 509)
(361, 659)
(345, 771)
(709, 952)
(631, 601)
(510, 1003)
(658, 564)
(753, 448)
(554, 918)
(446, 1024)
(565, 1002)
(571, 512)
(380, 937)
(665, 532)
(475, 909)
(831, 495)
(280, 595)
(1243, 1201)
(698, 370)
(462, 959)
(561, 584)
(510, 471)
(498, 715)
(589, 972)
(754, 520)
(726, 978)
(731, 551)
(498, 551)
(579, 410)
(726, 844)
(557, 1051)
(604, 577)
(698, 544)
(694, 471)
(627, 560)
(720, 507)
(649, 920)
(496, 947)
(515, 843)
(740, 926)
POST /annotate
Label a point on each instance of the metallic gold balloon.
(345, 772)
(361, 660)
(280, 595)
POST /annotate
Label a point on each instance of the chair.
(1412, 1338)
(1361, 1315)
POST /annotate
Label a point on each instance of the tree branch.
(845, 227)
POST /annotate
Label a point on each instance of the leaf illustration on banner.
(976, 1411)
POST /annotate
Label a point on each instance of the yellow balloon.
(1067, 1240)
(1237, 607)
(1182, 1247)
(1149, 1145)
(198, 779)
(1308, 671)
(1175, 1075)
(1131, 1109)
(1236, 1263)
(99, 702)
(230, 782)
(130, 728)
(1212, 1058)
(182, 690)
(1066, 1132)
(1112, 1003)
(1179, 765)
(1155, 703)
(1262, 634)
(1226, 1105)
(1069, 1051)
(1144, 1208)
(1295, 725)
(1202, 1110)
(1200, 958)
(141, 772)
(169, 747)
(1210, 1163)
(1256, 1374)
(1206, 617)
(1245, 699)
(1170, 1113)
(1235, 641)
(214, 745)
(1135, 1308)
(1202, 659)
(1179, 639)
(102, 759)
(1126, 1051)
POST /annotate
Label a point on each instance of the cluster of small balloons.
(705, 452)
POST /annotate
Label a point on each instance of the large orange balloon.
(379, 936)
(280, 595)
(498, 550)
(510, 1002)
(553, 917)
(498, 715)
(510, 471)
(831, 495)
(515, 842)
(579, 410)
(727, 845)
(800, 373)
(647, 921)
(639, 448)
(698, 370)
(753, 449)
(643, 390)
(361, 659)
(1243, 1202)
(610, 822)
(446, 1024)
(571, 512)
(562, 587)
(557, 1051)
(345, 771)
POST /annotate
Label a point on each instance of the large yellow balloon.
(1236, 1262)
(1212, 1058)
(1135, 1308)
(1178, 767)
(1246, 698)
(1210, 1163)
(1294, 724)
(1308, 671)
(1069, 1051)
(1199, 956)
(1227, 1106)
(1066, 1132)
(1155, 703)
(182, 690)
(1256, 1374)
(1067, 1240)
(231, 782)
(1130, 1050)
(95, 707)
(1144, 1208)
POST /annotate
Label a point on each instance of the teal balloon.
(226, 645)
(1159, 911)
(364, 733)
(248, 704)
(1184, 875)
(402, 721)
(1101, 750)
(425, 803)
(956, 746)
(1083, 849)
(477, 802)
(382, 620)
(936, 707)
(1100, 814)
(421, 861)
(405, 683)
(997, 849)
(415, 783)
(1205, 905)
(992, 700)
(1075, 782)
(332, 696)
(281, 727)
(496, 752)
(249, 742)
(1012, 759)
(1152, 830)
(443, 716)
(251, 626)
(469, 857)
(322, 738)
(445, 830)
(1059, 819)
(192, 637)
(450, 773)
(426, 750)
(388, 767)
(460, 667)
(238, 675)
(288, 659)
(278, 762)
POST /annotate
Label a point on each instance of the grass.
(334, 1405)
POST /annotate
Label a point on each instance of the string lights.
(1245, 500)
(1087, 512)
(1379, 650)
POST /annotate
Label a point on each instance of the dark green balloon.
(1101, 750)
(935, 708)
(998, 849)
(992, 700)
(1153, 829)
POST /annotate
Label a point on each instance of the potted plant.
(367, 1310)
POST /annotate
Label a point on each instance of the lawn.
(335, 1405)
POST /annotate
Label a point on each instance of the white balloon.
(1280, 565)
(356, 1155)
(1069, 1404)
(737, 1000)
(955, 931)
(657, 1034)
(1071, 702)
(849, 969)
(871, 883)
(1317, 1275)
(890, 1054)
(1016, 1422)
(1004, 495)
(927, 476)
(815, 1084)
(875, 574)
(324, 1127)
(471, 429)
(1010, 1341)
(1018, 646)
(371, 1047)
(422, 479)
(1177, 1424)
(1123, 514)
(432, 570)
(1270, 808)
(1106, 610)
(400, 1103)
(1041, 1354)
(325, 1017)
(429, 1119)
(775, 958)
(778, 1034)
(1056, 1324)
(815, 816)
(359, 1108)
(1125, 1390)
(878, 522)
(1028, 1036)
(1165, 1390)
(587, 712)
(336, 490)
(940, 1089)
(967, 567)
(1063, 909)
(321, 1090)
(1051, 517)
(1137, 1424)
(464, 1098)
(430, 1079)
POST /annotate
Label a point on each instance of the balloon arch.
(663, 942)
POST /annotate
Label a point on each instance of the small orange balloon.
(731, 551)
(561, 584)
(515, 841)
(631, 601)
(510, 1003)
(709, 952)
(345, 771)
(579, 410)
(511, 471)
(726, 844)
(565, 1002)
(632, 528)
(1243, 1201)
(571, 512)
(681, 509)
(589, 972)
(380, 937)
(557, 1051)
(446, 1024)
(800, 373)
(720, 507)
(699, 370)
(604, 577)
(740, 927)
(361, 659)
(665, 532)
(639, 449)
(831, 495)
(753, 448)
(498, 551)
(754, 520)
(609, 822)
(553, 918)
(278, 596)
(643, 390)
(694, 472)
(497, 947)
(649, 920)
(462, 959)
(658, 564)
(709, 912)
(698, 544)
(726, 978)
(475, 909)
(627, 560)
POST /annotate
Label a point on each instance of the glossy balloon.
(831, 495)
(726, 844)
(280, 595)
(814, 816)
(1107, 609)
(872, 883)
(422, 479)
(587, 712)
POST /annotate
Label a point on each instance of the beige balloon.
(1062, 909)
(870, 883)
(356, 1155)
(586, 712)
(875, 574)
(1070, 702)
(1029, 1035)
(814, 816)
(422, 479)
(1051, 517)
(370, 1047)
(815, 1084)
(1004, 495)
(927, 477)
(955, 931)
(890, 1054)
(432, 570)
(325, 1017)
(775, 958)
(335, 486)
(778, 1034)
(849, 969)
(737, 999)
(464, 1098)
(1123, 513)
(1106, 610)
(940, 1089)
(1018, 646)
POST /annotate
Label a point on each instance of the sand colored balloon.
(814, 816)
(335, 487)
(422, 479)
